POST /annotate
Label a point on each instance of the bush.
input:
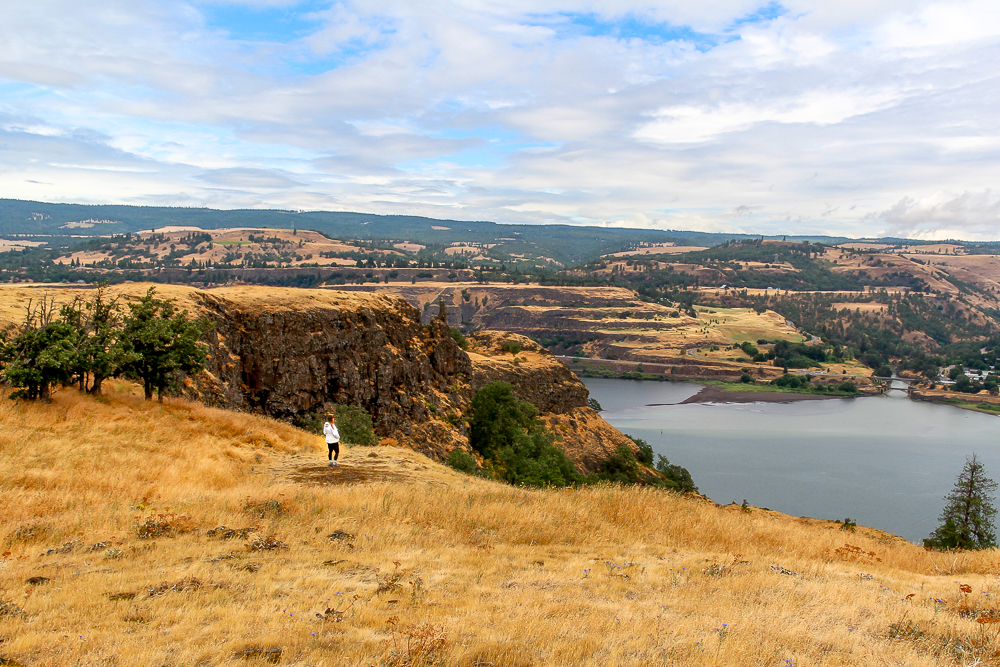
(355, 425)
(532, 460)
(746, 378)
(353, 422)
(790, 381)
(621, 467)
(511, 346)
(645, 450)
(507, 432)
(457, 336)
(463, 461)
(677, 478)
(594, 405)
(847, 387)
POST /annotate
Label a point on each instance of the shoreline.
(715, 394)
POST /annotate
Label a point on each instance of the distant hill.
(566, 244)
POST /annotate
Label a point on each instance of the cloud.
(815, 117)
(255, 179)
(970, 215)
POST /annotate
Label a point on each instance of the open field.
(657, 249)
(113, 557)
(923, 249)
(15, 299)
(216, 246)
(8, 245)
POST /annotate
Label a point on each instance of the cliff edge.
(290, 353)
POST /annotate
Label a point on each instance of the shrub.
(621, 467)
(507, 432)
(645, 450)
(790, 381)
(677, 477)
(594, 405)
(462, 461)
(847, 387)
(746, 378)
(353, 422)
(355, 426)
(511, 346)
(457, 336)
(532, 460)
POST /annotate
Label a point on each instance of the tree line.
(85, 342)
(515, 447)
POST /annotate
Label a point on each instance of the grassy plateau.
(137, 533)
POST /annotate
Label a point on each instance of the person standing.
(332, 439)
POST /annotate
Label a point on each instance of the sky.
(858, 117)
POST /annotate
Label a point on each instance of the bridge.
(887, 386)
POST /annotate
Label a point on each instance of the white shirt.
(331, 433)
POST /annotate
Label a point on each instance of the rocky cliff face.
(291, 352)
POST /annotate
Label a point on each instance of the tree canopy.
(86, 342)
(968, 515)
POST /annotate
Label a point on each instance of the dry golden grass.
(224, 241)
(15, 299)
(431, 567)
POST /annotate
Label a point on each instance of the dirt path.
(364, 464)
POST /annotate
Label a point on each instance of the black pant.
(334, 450)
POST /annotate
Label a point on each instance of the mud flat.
(710, 394)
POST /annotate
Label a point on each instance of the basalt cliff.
(290, 353)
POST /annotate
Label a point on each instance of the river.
(884, 461)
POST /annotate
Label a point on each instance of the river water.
(883, 461)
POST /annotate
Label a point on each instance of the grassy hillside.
(111, 557)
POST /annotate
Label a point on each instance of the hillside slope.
(113, 555)
(292, 353)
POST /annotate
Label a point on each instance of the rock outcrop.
(293, 352)
(290, 353)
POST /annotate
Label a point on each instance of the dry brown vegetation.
(146, 534)
(307, 244)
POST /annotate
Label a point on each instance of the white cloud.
(689, 124)
(945, 215)
(510, 111)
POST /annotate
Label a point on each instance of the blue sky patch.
(626, 28)
(263, 24)
(767, 13)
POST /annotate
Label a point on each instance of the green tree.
(677, 477)
(507, 433)
(42, 354)
(355, 425)
(967, 518)
(498, 418)
(160, 342)
(101, 352)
